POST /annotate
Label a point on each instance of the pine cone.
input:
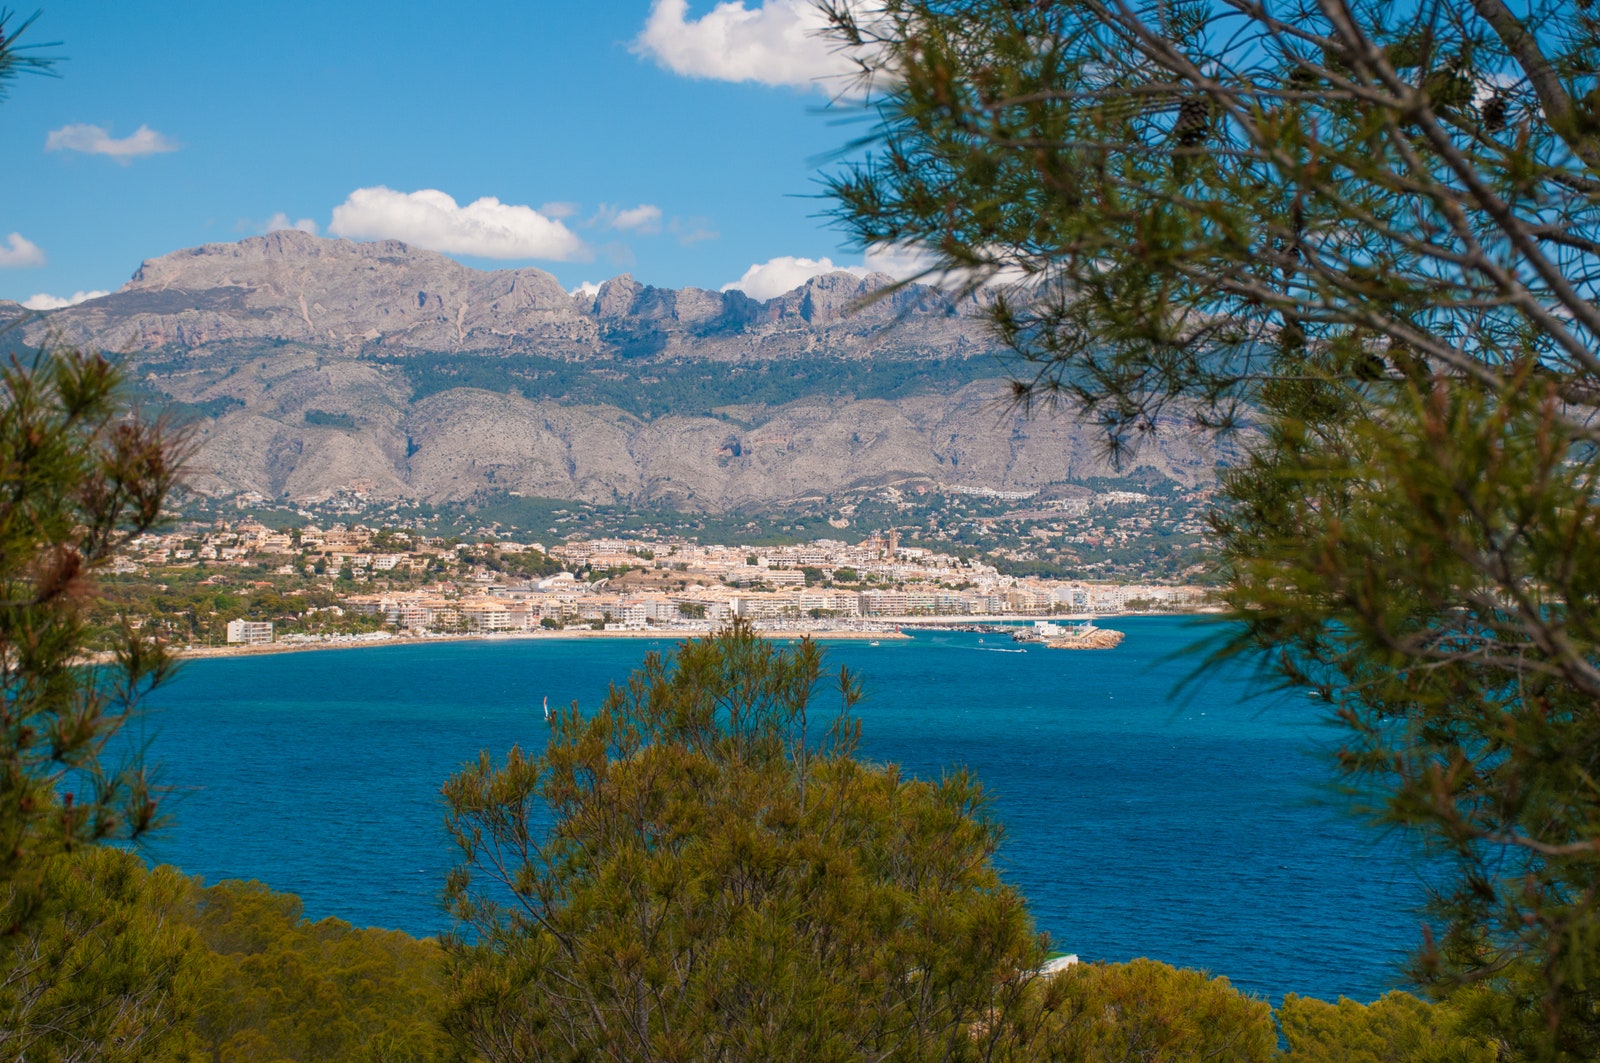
(1194, 120)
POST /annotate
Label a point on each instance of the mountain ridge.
(388, 295)
(313, 367)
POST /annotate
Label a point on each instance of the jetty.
(1083, 636)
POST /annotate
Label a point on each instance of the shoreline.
(354, 643)
(936, 622)
(827, 635)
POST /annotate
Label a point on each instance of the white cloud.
(899, 261)
(43, 301)
(587, 288)
(559, 209)
(769, 279)
(766, 280)
(429, 218)
(645, 218)
(776, 43)
(906, 262)
(692, 230)
(281, 220)
(18, 251)
(96, 140)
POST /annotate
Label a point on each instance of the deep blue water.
(1196, 830)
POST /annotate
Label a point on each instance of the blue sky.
(677, 141)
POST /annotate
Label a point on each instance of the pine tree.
(1360, 243)
(702, 869)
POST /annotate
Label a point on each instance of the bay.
(1198, 830)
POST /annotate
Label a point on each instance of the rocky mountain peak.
(258, 258)
(291, 286)
(616, 297)
(315, 366)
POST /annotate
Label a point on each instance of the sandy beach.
(357, 642)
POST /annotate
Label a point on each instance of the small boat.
(874, 642)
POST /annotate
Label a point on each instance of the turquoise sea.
(1195, 829)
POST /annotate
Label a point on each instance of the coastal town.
(246, 584)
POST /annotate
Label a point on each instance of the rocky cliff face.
(386, 296)
(313, 367)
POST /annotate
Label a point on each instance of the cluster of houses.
(249, 542)
(559, 602)
(821, 584)
(663, 583)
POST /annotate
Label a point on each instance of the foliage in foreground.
(1370, 234)
(1397, 1028)
(279, 988)
(78, 478)
(1146, 1010)
(106, 968)
(150, 965)
(126, 964)
(100, 958)
(718, 876)
(90, 966)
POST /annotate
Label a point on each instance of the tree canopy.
(1359, 241)
(90, 966)
(718, 877)
(1396, 1028)
(78, 478)
(105, 969)
(275, 987)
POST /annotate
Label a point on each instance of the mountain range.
(313, 368)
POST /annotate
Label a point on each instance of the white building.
(250, 632)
